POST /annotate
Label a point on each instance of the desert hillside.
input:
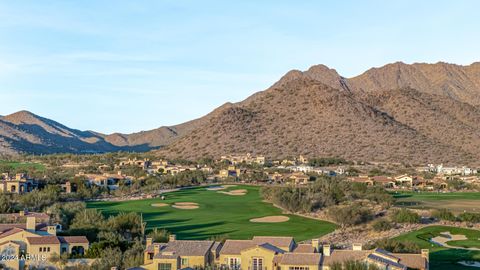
(415, 113)
(302, 115)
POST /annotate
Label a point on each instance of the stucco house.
(269, 253)
(34, 243)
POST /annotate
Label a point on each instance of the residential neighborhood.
(265, 252)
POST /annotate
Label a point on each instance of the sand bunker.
(236, 192)
(216, 188)
(185, 205)
(270, 219)
(159, 204)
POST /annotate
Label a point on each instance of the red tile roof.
(43, 240)
(73, 239)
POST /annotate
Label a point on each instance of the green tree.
(5, 203)
(133, 256)
(159, 235)
(110, 257)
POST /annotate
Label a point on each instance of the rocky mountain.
(409, 113)
(25, 132)
(415, 113)
(457, 82)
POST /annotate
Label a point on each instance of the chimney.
(357, 246)
(316, 244)
(425, 254)
(156, 249)
(52, 230)
(68, 187)
(31, 223)
(149, 241)
(327, 250)
(21, 213)
(172, 237)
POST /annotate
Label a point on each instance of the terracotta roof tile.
(234, 247)
(73, 239)
(42, 240)
(304, 248)
(301, 259)
(345, 255)
(11, 232)
(414, 261)
(279, 241)
(184, 247)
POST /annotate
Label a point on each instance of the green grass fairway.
(218, 214)
(22, 165)
(443, 258)
(457, 202)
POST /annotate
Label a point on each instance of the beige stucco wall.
(20, 237)
(174, 262)
(310, 267)
(193, 261)
(34, 249)
(257, 252)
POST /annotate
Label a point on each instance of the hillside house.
(384, 181)
(39, 241)
(19, 183)
(298, 178)
(276, 177)
(404, 180)
(22, 216)
(106, 180)
(247, 159)
(141, 163)
(231, 171)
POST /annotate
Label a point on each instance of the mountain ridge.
(398, 112)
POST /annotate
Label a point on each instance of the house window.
(234, 263)
(257, 264)
(298, 268)
(184, 261)
(164, 266)
(40, 249)
(48, 249)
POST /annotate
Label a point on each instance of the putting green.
(217, 214)
(442, 258)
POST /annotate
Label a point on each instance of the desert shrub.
(469, 217)
(382, 225)
(405, 216)
(396, 246)
(444, 214)
(350, 215)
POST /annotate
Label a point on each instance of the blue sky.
(135, 65)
